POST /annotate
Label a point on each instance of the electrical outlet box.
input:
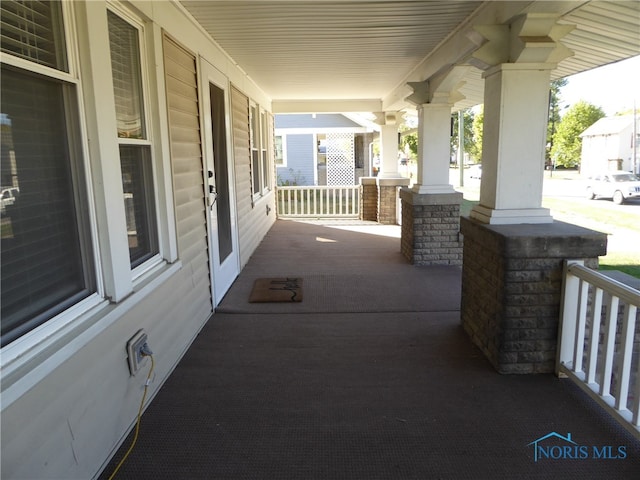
(134, 351)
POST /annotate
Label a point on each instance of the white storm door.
(224, 259)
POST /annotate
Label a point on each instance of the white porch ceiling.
(333, 55)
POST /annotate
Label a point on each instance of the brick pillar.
(431, 228)
(511, 288)
(368, 199)
(388, 199)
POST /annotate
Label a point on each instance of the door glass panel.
(223, 206)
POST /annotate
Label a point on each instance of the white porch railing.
(318, 201)
(599, 341)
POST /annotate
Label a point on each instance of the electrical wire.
(135, 436)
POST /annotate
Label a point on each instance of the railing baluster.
(317, 201)
(612, 391)
(594, 340)
(578, 349)
(609, 345)
(628, 333)
(568, 319)
(635, 407)
(354, 198)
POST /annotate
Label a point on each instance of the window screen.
(135, 157)
(46, 253)
(279, 150)
(255, 152)
(263, 151)
(127, 77)
(137, 183)
(34, 31)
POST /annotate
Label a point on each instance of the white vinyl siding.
(80, 355)
(186, 158)
(254, 218)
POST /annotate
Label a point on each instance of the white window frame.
(254, 146)
(283, 136)
(76, 139)
(30, 345)
(265, 152)
(149, 265)
(258, 143)
(31, 357)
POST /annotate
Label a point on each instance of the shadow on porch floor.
(379, 382)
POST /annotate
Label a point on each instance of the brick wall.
(431, 228)
(387, 204)
(368, 199)
(511, 288)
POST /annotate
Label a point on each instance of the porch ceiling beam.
(463, 42)
(326, 106)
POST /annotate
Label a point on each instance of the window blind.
(44, 254)
(127, 77)
(34, 31)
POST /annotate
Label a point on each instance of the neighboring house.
(321, 149)
(608, 145)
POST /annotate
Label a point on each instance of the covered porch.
(370, 376)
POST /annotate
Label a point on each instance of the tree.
(554, 113)
(478, 128)
(470, 145)
(567, 143)
(409, 137)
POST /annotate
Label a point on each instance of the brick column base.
(388, 199)
(368, 199)
(431, 228)
(511, 288)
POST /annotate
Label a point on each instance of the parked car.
(619, 186)
(475, 171)
(8, 197)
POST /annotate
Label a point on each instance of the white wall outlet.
(134, 351)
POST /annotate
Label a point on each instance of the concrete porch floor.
(371, 376)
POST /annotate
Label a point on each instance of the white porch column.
(518, 60)
(513, 147)
(389, 147)
(431, 209)
(434, 149)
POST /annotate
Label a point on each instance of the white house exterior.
(144, 164)
(608, 145)
(141, 153)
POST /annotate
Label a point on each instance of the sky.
(613, 87)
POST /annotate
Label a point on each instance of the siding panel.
(300, 161)
(186, 160)
(254, 220)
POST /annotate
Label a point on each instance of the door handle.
(213, 196)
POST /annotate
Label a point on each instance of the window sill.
(260, 197)
(29, 359)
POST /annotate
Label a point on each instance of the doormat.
(276, 290)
